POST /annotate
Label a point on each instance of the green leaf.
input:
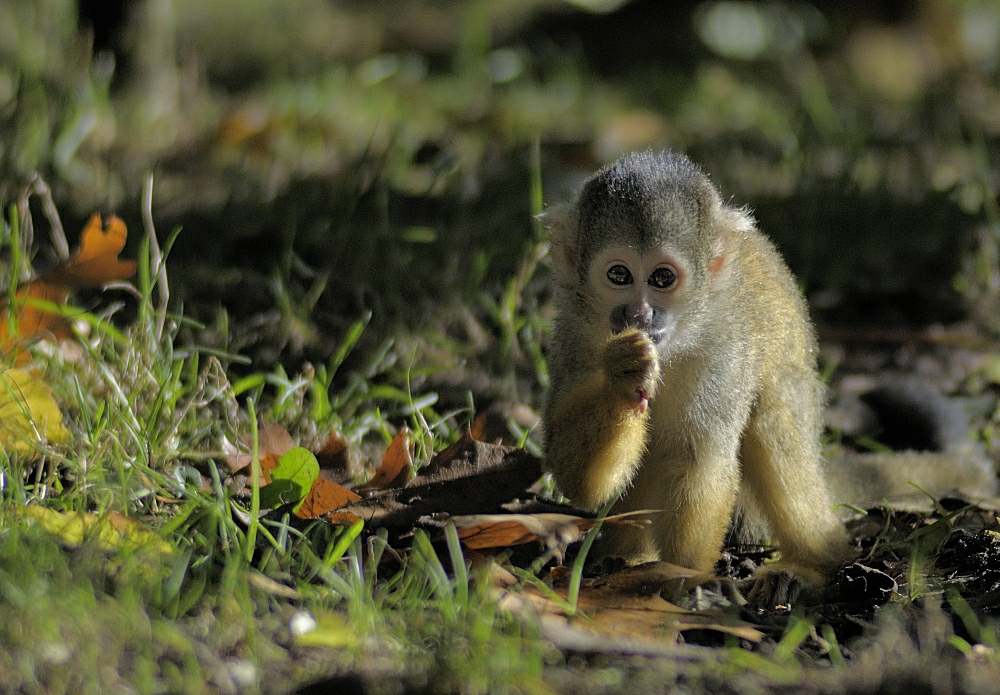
(280, 492)
(296, 472)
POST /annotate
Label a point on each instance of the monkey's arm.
(596, 429)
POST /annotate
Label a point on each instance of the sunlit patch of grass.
(214, 614)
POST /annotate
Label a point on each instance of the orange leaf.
(324, 497)
(398, 457)
(342, 518)
(96, 262)
(33, 321)
(268, 462)
(478, 428)
(479, 531)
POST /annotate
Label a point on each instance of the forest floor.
(273, 428)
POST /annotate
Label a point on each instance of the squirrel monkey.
(683, 369)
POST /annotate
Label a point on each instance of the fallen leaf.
(478, 531)
(96, 262)
(268, 462)
(111, 531)
(273, 441)
(34, 319)
(324, 497)
(477, 430)
(38, 304)
(29, 414)
(333, 455)
(501, 530)
(274, 438)
(625, 610)
(397, 460)
(291, 480)
(343, 518)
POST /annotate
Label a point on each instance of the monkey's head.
(643, 246)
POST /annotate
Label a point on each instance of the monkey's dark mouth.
(656, 336)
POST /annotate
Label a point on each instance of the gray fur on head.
(647, 197)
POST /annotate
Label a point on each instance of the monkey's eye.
(663, 278)
(619, 275)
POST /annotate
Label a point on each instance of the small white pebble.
(302, 622)
(243, 673)
(55, 653)
(981, 653)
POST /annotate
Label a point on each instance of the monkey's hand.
(632, 367)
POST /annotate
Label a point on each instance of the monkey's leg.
(596, 431)
(696, 495)
(782, 474)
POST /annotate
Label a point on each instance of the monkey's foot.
(777, 586)
(603, 565)
(703, 591)
(774, 591)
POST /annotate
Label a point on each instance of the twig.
(57, 232)
(934, 335)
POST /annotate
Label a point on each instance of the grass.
(199, 589)
(399, 150)
(85, 614)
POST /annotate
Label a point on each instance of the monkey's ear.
(734, 224)
(560, 220)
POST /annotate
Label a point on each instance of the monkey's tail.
(933, 451)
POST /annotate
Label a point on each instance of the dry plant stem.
(156, 256)
(58, 234)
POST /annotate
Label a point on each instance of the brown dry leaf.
(333, 455)
(324, 497)
(500, 530)
(478, 531)
(33, 321)
(93, 265)
(343, 518)
(626, 611)
(477, 430)
(273, 442)
(268, 462)
(397, 461)
(274, 438)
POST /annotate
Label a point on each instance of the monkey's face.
(638, 289)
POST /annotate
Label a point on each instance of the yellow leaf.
(325, 629)
(29, 415)
(111, 531)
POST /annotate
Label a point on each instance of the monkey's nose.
(632, 316)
